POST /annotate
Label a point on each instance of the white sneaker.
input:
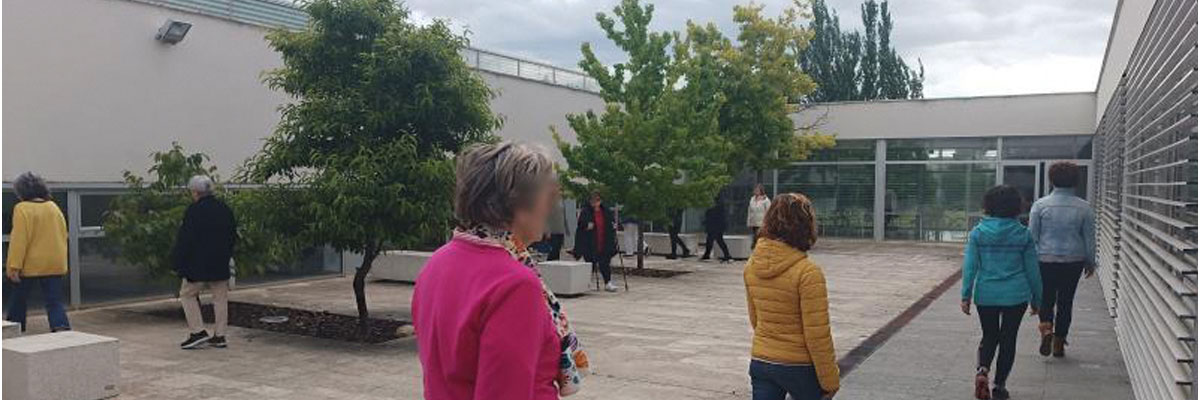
(610, 287)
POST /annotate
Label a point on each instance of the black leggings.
(677, 242)
(719, 237)
(1059, 281)
(1000, 326)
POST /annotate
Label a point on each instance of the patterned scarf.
(573, 360)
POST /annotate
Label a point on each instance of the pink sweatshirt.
(483, 328)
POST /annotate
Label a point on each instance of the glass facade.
(843, 196)
(927, 189)
(98, 275)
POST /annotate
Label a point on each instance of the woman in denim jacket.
(1063, 226)
(1000, 274)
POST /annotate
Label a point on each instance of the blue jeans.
(52, 294)
(775, 381)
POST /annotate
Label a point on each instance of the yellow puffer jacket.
(789, 310)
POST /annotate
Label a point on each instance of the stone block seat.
(660, 243)
(566, 278)
(400, 265)
(61, 366)
(11, 329)
(739, 247)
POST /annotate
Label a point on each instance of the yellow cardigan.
(37, 245)
(789, 310)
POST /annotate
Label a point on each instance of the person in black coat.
(673, 230)
(715, 223)
(201, 255)
(596, 238)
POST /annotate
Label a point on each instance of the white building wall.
(1128, 22)
(1035, 114)
(90, 93)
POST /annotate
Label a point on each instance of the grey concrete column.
(73, 228)
(880, 187)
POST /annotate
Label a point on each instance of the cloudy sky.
(969, 47)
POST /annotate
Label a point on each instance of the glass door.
(1026, 177)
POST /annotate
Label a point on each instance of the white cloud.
(969, 47)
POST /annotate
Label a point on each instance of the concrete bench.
(566, 278)
(61, 366)
(660, 243)
(11, 329)
(400, 265)
(739, 247)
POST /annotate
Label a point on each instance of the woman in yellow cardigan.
(37, 251)
(792, 351)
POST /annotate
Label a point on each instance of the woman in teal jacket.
(1001, 275)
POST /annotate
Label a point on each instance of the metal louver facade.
(1146, 171)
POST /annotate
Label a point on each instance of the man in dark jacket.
(715, 223)
(596, 238)
(203, 248)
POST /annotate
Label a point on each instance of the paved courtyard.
(685, 337)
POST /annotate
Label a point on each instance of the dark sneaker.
(1044, 349)
(195, 340)
(217, 341)
(981, 387)
(671, 257)
(1059, 345)
(999, 393)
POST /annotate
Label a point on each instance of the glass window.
(935, 202)
(104, 278)
(92, 209)
(847, 150)
(941, 149)
(843, 195)
(1048, 147)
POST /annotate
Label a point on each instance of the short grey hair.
(495, 180)
(200, 184)
(29, 186)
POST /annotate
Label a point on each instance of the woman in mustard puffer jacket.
(793, 350)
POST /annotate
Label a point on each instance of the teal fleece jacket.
(1000, 266)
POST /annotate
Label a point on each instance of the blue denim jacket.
(1000, 265)
(1064, 228)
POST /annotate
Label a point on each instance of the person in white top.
(757, 211)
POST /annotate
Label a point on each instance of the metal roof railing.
(283, 14)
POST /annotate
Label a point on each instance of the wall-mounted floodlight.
(172, 31)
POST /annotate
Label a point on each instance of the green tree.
(849, 65)
(759, 76)
(364, 152)
(143, 222)
(655, 147)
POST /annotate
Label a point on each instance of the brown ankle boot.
(1047, 331)
(1060, 345)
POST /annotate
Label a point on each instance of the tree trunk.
(641, 252)
(360, 286)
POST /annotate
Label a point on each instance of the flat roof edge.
(983, 97)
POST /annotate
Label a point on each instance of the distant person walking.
(673, 231)
(37, 252)
(203, 249)
(596, 238)
(756, 211)
(1063, 227)
(792, 353)
(1000, 274)
(487, 327)
(715, 223)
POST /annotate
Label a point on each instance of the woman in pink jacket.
(486, 325)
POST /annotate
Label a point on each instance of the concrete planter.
(566, 278)
(61, 366)
(739, 246)
(401, 265)
(11, 329)
(660, 243)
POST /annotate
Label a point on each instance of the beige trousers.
(189, 294)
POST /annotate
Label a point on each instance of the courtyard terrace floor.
(685, 337)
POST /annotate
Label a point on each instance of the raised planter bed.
(320, 324)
